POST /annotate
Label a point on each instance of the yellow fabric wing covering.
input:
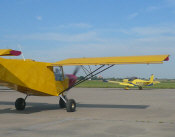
(156, 82)
(121, 83)
(114, 82)
(4, 52)
(148, 59)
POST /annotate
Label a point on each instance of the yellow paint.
(5, 52)
(137, 82)
(37, 78)
(30, 77)
(151, 59)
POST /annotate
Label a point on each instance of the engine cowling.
(72, 79)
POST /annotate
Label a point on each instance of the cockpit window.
(132, 78)
(58, 71)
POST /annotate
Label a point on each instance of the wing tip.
(15, 52)
(167, 59)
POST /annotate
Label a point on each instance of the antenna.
(19, 46)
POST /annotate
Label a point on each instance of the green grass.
(164, 84)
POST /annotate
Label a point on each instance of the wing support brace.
(89, 76)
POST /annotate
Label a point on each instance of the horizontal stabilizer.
(9, 52)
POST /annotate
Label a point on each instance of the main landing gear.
(140, 88)
(69, 104)
(126, 88)
(20, 103)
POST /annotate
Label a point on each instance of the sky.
(53, 30)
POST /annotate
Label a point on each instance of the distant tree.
(81, 77)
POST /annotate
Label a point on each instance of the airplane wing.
(126, 84)
(149, 59)
(114, 82)
(9, 52)
(156, 82)
(122, 83)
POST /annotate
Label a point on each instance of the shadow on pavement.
(112, 106)
(38, 107)
(30, 107)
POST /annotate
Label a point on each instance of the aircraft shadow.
(6, 90)
(121, 89)
(112, 106)
(32, 107)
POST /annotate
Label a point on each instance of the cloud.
(133, 15)
(153, 8)
(76, 25)
(80, 37)
(39, 18)
(149, 31)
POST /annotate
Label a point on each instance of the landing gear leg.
(126, 88)
(70, 104)
(140, 88)
(20, 103)
(62, 103)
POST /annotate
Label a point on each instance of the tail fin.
(151, 78)
(125, 80)
(9, 52)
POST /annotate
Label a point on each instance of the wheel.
(140, 88)
(71, 105)
(20, 104)
(126, 88)
(62, 103)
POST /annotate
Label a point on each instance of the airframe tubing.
(86, 77)
(77, 83)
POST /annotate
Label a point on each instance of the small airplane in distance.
(48, 79)
(134, 81)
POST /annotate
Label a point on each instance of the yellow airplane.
(48, 79)
(134, 81)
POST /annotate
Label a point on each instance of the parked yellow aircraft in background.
(48, 79)
(134, 81)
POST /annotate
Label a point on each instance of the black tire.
(140, 88)
(62, 103)
(71, 105)
(20, 104)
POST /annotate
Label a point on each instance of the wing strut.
(89, 76)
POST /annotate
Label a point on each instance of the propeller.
(77, 68)
(72, 77)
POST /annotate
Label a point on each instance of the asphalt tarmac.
(101, 112)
